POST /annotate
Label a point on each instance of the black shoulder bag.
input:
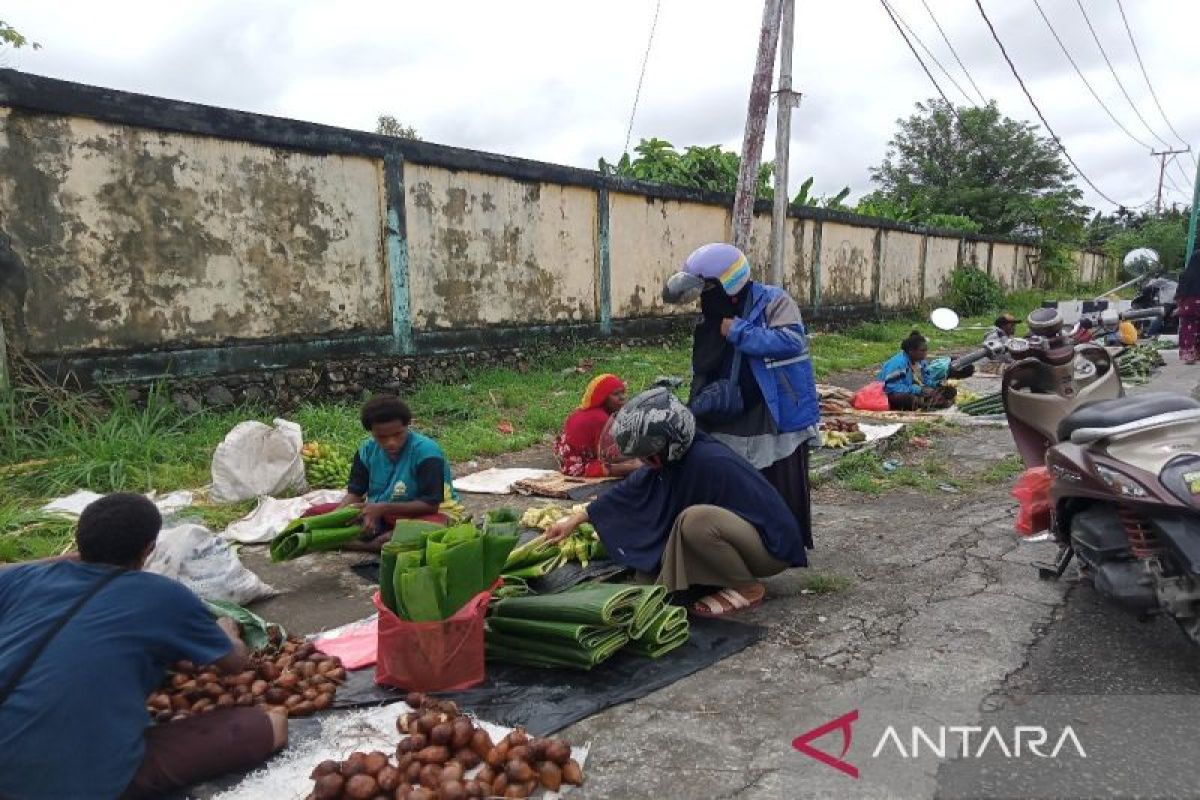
(24, 667)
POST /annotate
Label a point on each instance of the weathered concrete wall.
(941, 257)
(847, 264)
(141, 236)
(1004, 259)
(485, 250)
(797, 274)
(900, 273)
(651, 238)
(134, 238)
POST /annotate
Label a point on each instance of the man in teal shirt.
(397, 474)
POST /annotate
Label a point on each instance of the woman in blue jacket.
(759, 327)
(910, 384)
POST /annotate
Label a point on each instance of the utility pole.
(756, 125)
(1162, 168)
(785, 101)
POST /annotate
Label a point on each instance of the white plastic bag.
(206, 564)
(257, 459)
(272, 515)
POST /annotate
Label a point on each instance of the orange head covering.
(599, 389)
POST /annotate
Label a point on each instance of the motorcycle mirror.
(1141, 261)
(945, 319)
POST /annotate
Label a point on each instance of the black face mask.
(716, 305)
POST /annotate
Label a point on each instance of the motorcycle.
(1124, 471)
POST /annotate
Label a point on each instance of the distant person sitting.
(84, 643)
(397, 473)
(1003, 329)
(577, 449)
(909, 383)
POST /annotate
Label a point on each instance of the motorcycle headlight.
(1119, 483)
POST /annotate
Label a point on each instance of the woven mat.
(563, 487)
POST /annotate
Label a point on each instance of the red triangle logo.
(844, 723)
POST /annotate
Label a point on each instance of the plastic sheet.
(548, 700)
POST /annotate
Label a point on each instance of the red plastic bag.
(871, 397)
(1033, 491)
(432, 656)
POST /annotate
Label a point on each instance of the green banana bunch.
(324, 468)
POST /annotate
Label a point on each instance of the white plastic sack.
(75, 503)
(257, 459)
(272, 515)
(206, 564)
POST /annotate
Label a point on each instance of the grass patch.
(824, 583)
(26, 535)
(864, 472)
(54, 441)
(1003, 471)
(218, 517)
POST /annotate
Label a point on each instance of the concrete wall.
(485, 250)
(134, 238)
(150, 235)
(847, 264)
(650, 239)
(900, 275)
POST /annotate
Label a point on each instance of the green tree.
(980, 165)
(709, 168)
(14, 38)
(1164, 233)
(390, 126)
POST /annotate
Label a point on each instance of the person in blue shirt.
(73, 719)
(697, 515)
(397, 473)
(908, 381)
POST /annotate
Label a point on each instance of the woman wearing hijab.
(577, 448)
(751, 339)
(1187, 308)
(695, 515)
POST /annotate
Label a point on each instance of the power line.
(897, 16)
(1032, 102)
(954, 52)
(1086, 82)
(920, 61)
(645, 60)
(1116, 77)
(1146, 75)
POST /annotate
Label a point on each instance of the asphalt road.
(1132, 688)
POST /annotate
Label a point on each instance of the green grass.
(54, 441)
(29, 534)
(1003, 471)
(218, 517)
(824, 583)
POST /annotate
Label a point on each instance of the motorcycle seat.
(1123, 411)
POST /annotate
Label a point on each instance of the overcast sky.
(555, 81)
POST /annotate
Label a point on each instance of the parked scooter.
(1125, 471)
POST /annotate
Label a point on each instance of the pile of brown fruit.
(439, 748)
(295, 676)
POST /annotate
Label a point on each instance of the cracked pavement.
(945, 623)
(941, 602)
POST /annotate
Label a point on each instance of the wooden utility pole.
(785, 101)
(756, 125)
(1162, 169)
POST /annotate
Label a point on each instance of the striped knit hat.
(721, 262)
